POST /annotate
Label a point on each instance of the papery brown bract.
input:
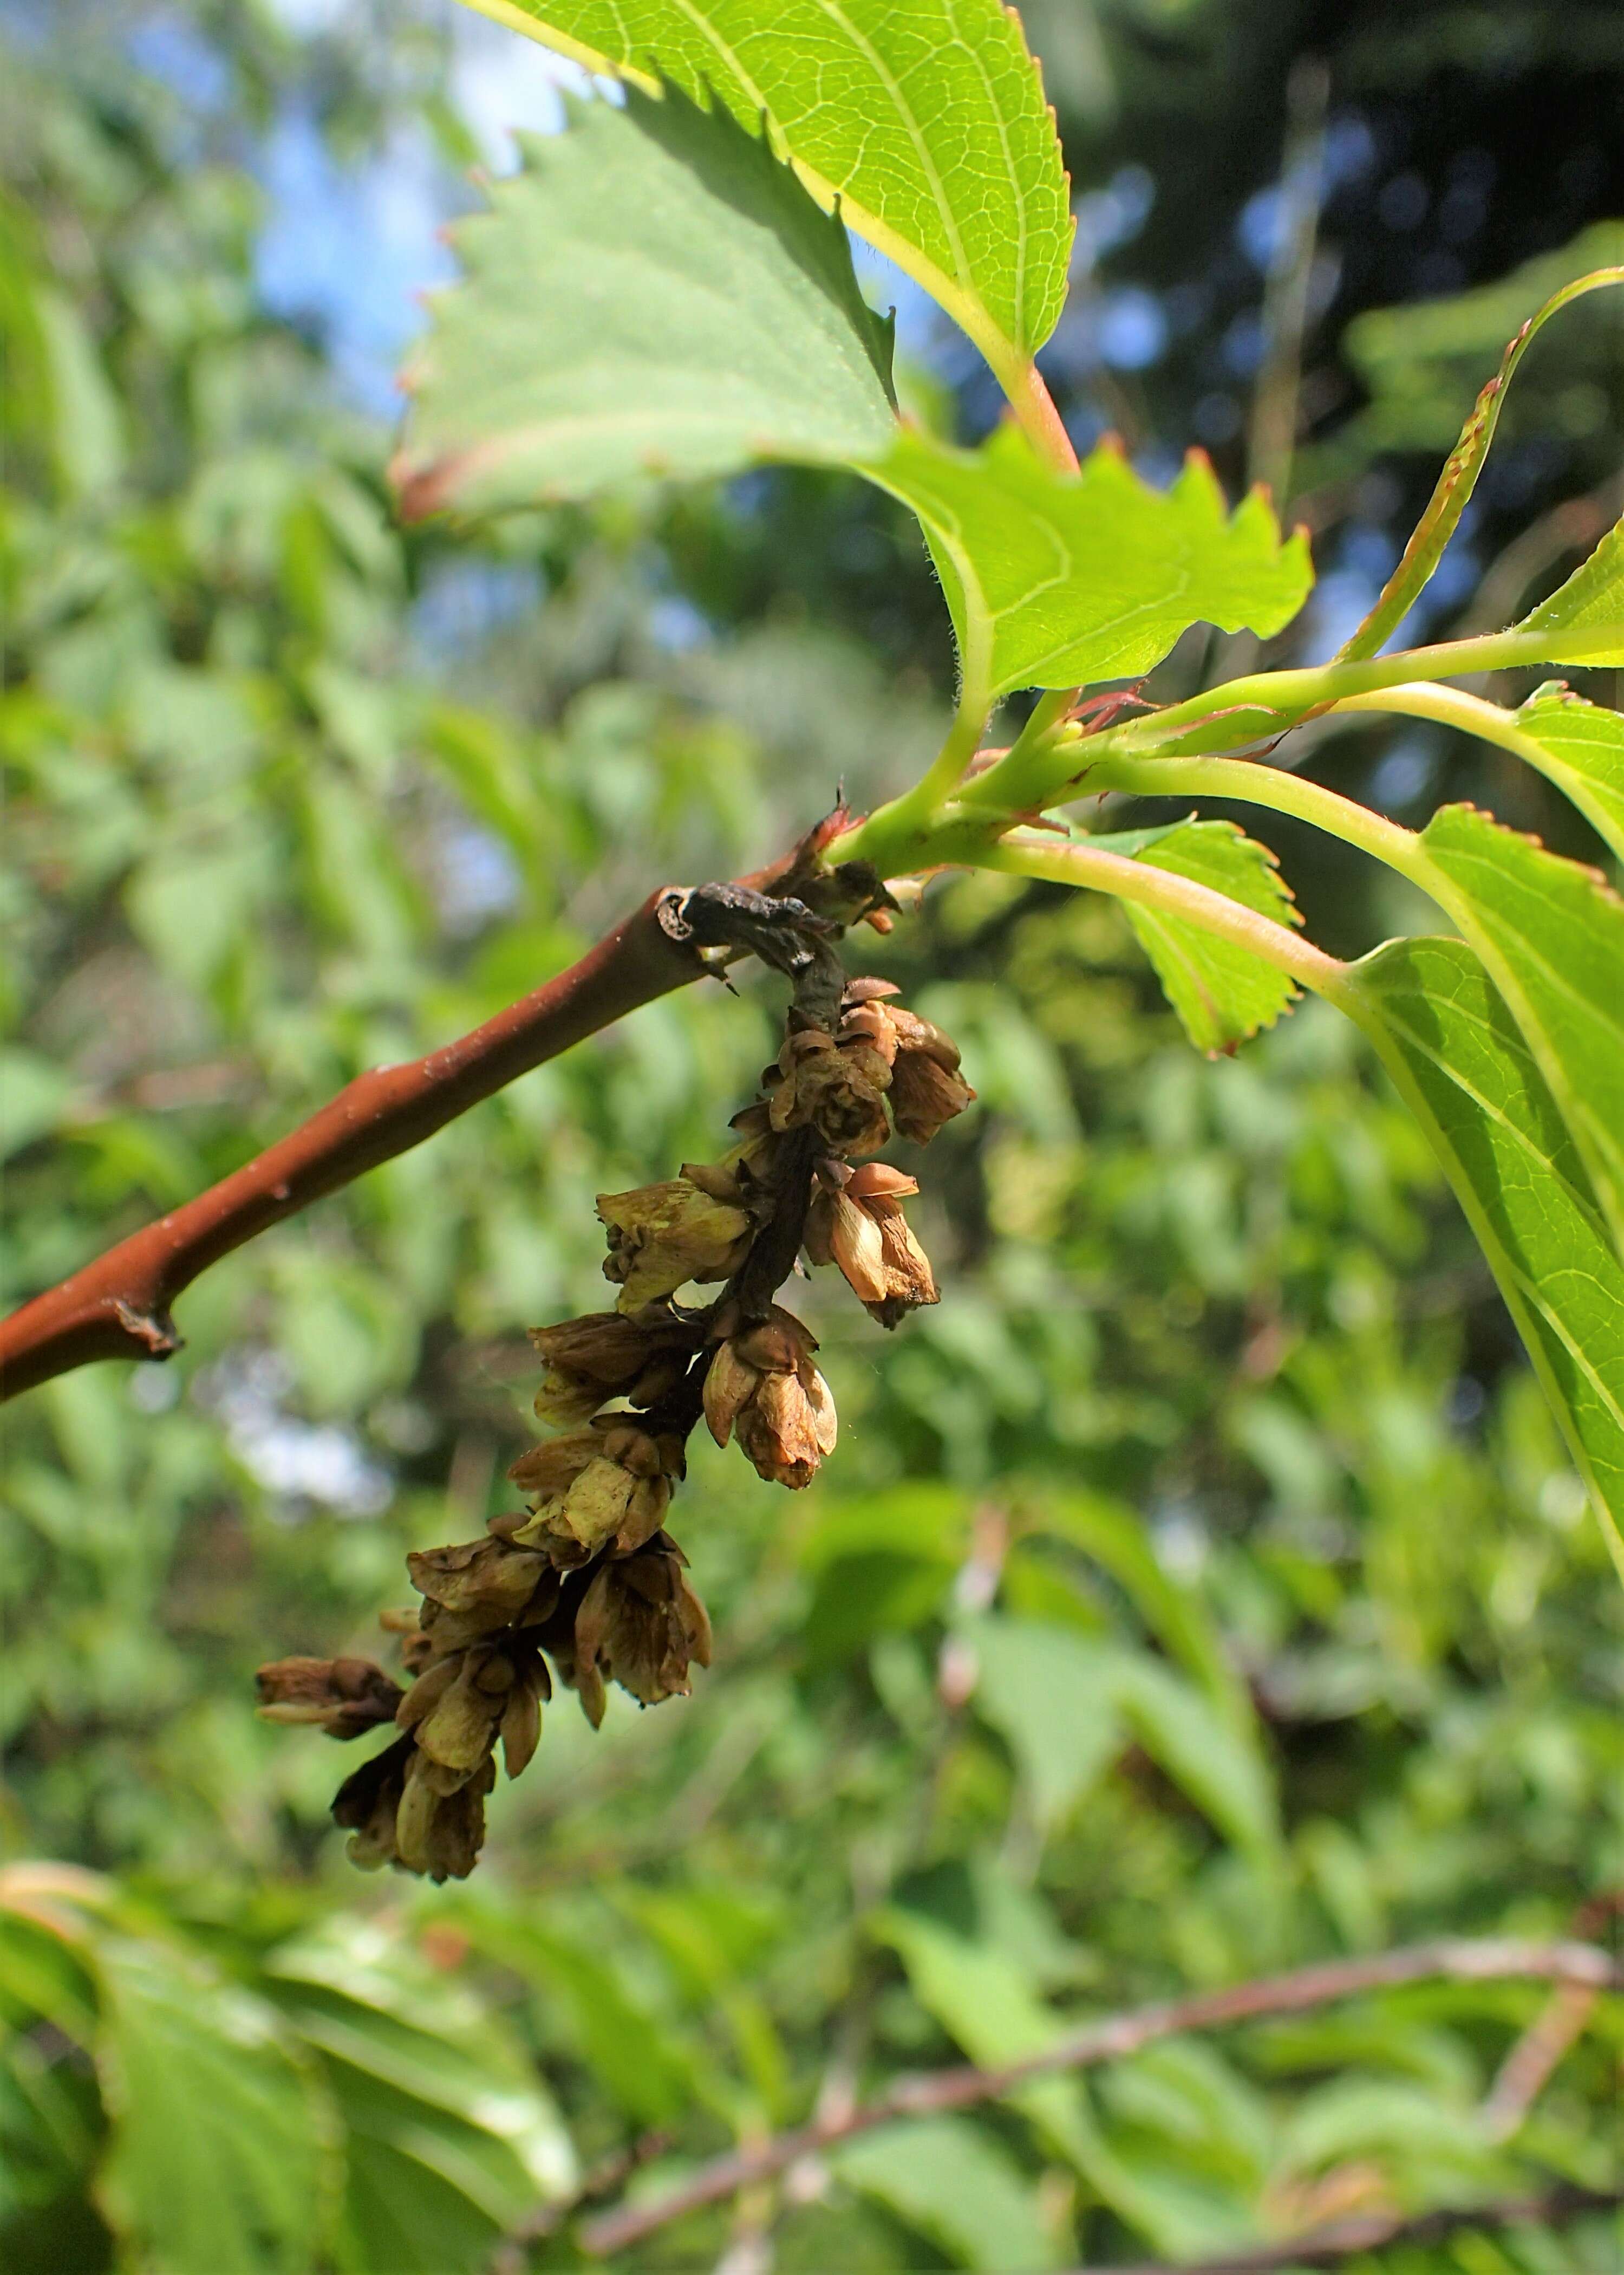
(641, 1625)
(438, 1832)
(607, 1355)
(367, 1804)
(763, 1389)
(661, 1236)
(839, 1232)
(926, 1086)
(476, 1585)
(616, 1496)
(904, 1278)
(459, 1729)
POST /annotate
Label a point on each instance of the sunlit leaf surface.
(1588, 609)
(1552, 934)
(654, 294)
(1454, 1049)
(1579, 747)
(1058, 580)
(924, 117)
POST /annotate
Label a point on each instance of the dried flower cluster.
(584, 1585)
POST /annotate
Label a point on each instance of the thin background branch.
(1115, 2036)
(1349, 2239)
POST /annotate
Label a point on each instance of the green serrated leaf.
(1591, 603)
(220, 2144)
(644, 2066)
(403, 2216)
(1452, 1047)
(1222, 993)
(1577, 745)
(366, 2001)
(1455, 485)
(1552, 934)
(925, 118)
(653, 293)
(1055, 580)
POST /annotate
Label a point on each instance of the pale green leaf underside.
(1452, 1047)
(218, 2144)
(654, 293)
(1580, 747)
(924, 117)
(1591, 602)
(1458, 480)
(1222, 993)
(419, 2069)
(1552, 936)
(1056, 580)
(950, 2180)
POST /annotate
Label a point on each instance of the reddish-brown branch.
(118, 1307)
(1108, 2040)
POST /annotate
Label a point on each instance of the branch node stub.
(154, 1331)
(722, 921)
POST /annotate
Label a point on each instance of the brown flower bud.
(763, 1389)
(616, 1497)
(605, 1354)
(406, 1622)
(456, 1718)
(438, 1832)
(661, 1237)
(904, 1280)
(838, 1231)
(521, 1718)
(640, 1625)
(838, 1088)
(342, 1696)
(926, 1086)
(461, 1704)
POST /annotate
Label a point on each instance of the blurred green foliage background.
(1201, 1590)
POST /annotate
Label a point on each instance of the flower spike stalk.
(584, 1585)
